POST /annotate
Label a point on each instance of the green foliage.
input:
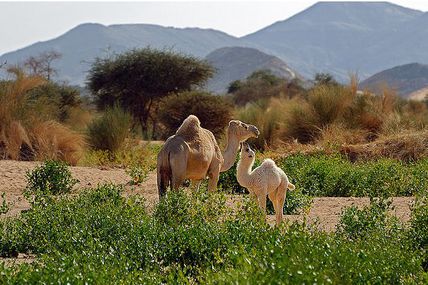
(418, 232)
(55, 101)
(101, 237)
(137, 78)
(4, 206)
(358, 223)
(131, 155)
(110, 130)
(214, 112)
(51, 178)
(261, 84)
(137, 173)
(323, 175)
(324, 79)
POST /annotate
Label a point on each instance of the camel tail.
(163, 172)
(290, 186)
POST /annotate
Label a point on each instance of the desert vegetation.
(331, 139)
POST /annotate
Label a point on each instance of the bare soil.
(325, 211)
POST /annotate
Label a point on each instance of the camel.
(193, 153)
(265, 180)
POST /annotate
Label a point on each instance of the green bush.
(100, 237)
(214, 112)
(362, 223)
(51, 178)
(418, 232)
(324, 175)
(110, 130)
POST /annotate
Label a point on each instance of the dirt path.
(325, 210)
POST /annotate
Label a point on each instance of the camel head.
(242, 131)
(246, 152)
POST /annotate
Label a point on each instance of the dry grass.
(408, 146)
(53, 140)
(14, 110)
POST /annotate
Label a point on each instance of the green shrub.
(51, 178)
(4, 206)
(418, 231)
(323, 175)
(214, 112)
(358, 223)
(99, 236)
(110, 130)
(137, 173)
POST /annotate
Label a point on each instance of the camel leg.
(261, 197)
(278, 204)
(178, 169)
(213, 180)
(196, 184)
(213, 175)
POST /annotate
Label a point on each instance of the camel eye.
(247, 150)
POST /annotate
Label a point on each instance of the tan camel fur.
(193, 153)
(265, 180)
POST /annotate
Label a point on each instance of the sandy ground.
(324, 212)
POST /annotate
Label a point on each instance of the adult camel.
(193, 153)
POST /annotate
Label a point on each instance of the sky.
(24, 23)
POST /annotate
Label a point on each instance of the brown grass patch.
(52, 140)
(405, 147)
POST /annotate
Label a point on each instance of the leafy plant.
(51, 178)
(4, 207)
(110, 130)
(137, 173)
(358, 223)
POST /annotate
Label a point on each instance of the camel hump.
(190, 126)
(269, 163)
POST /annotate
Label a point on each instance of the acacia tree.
(137, 79)
(42, 64)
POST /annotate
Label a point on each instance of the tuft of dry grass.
(408, 146)
(52, 140)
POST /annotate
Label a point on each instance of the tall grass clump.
(266, 115)
(28, 129)
(109, 131)
(53, 140)
(14, 109)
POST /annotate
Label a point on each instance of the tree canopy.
(137, 79)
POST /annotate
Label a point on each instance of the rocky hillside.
(405, 79)
(236, 63)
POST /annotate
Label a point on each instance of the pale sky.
(24, 23)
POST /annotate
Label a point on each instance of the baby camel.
(267, 179)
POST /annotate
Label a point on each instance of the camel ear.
(233, 123)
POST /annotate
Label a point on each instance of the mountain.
(236, 63)
(343, 37)
(333, 37)
(81, 45)
(405, 79)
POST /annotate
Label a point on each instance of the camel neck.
(229, 154)
(243, 172)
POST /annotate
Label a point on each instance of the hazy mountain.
(82, 44)
(405, 79)
(333, 37)
(343, 37)
(236, 63)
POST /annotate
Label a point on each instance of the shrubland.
(99, 236)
